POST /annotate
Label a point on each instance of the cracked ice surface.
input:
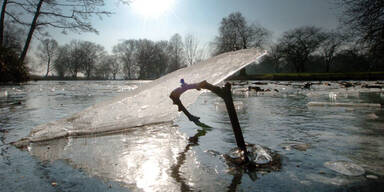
(148, 104)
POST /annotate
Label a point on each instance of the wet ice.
(148, 104)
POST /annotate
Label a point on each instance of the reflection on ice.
(332, 96)
(139, 158)
(333, 104)
(344, 167)
(338, 180)
(239, 106)
(4, 93)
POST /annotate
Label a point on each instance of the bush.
(10, 69)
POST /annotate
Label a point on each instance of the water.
(184, 157)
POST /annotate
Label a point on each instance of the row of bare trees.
(38, 16)
(365, 20)
(359, 47)
(298, 47)
(68, 15)
(312, 49)
(130, 59)
(298, 50)
(76, 57)
(303, 49)
(146, 59)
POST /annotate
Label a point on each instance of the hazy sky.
(202, 18)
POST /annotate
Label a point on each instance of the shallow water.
(182, 156)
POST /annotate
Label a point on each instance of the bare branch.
(17, 20)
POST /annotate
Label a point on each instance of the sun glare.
(152, 8)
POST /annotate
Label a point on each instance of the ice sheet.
(149, 104)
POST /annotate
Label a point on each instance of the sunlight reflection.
(150, 175)
(140, 158)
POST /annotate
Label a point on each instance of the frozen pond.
(321, 148)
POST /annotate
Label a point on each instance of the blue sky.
(202, 18)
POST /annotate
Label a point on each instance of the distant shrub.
(10, 69)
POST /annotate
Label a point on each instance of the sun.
(152, 8)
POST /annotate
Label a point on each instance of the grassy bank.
(313, 76)
(271, 76)
(55, 78)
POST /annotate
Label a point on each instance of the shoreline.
(370, 76)
(352, 76)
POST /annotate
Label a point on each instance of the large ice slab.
(149, 104)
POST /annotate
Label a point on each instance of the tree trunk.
(129, 71)
(3, 8)
(328, 62)
(88, 72)
(48, 64)
(234, 120)
(30, 33)
(296, 64)
(74, 74)
(276, 66)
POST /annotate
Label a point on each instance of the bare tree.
(103, 69)
(76, 56)
(2, 20)
(257, 36)
(47, 51)
(332, 44)
(62, 61)
(275, 56)
(79, 56)
(144, 58)
(298, 44)
(125, 53)
(67, 15)
(13, 37)
(162, 58)
(176, 52)
(90, 53)
(191, 49)
(70, 57)
(151, 58)
(114, 66)
(235, 34)
(230, 31)
(366, 19)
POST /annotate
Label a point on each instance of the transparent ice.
(345, 168)
(148, 104)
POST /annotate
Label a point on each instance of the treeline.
(130, 59)
(357, 46)
(23, 20)
(313, 49)
(310, 48)
(10, 49)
